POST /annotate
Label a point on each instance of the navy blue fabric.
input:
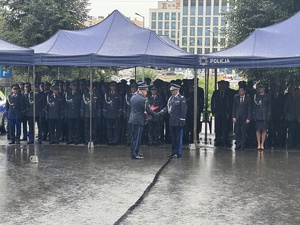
(13, 55)
(269, 47)
(116, 41)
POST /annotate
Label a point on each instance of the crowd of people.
(62, 113)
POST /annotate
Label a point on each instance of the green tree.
(31, 22)
(245, 16)
(148, 73)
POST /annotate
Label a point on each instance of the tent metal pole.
(34, 158)
(216, 79)
(195, 107)
(206, 103)
(28, 73)
(135, 73)
(91, 144)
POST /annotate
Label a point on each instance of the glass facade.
(167, 16)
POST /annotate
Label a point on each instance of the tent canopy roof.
(272, 46)
(14, 55)
(116, 41)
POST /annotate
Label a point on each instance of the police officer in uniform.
(15, 107)
(177, 108)
(72, 106)
(112, 110)
(54, 114)
(139, 108)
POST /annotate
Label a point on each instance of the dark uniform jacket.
(85, 105)
(139, 108)
(15, 106)
(126, 105)
(262, 107)
(292, 109)
(220, 103)
(177, 108)
(39, 104)
(54, 108)
(242, 110)
(73, 104)
(112, 107)
(277, 101)
(189, 96)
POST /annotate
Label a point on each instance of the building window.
(207, 32)
(192, 51)
(167, 25)
(200, 3)
(173, 34)
(224, 2)
(216, 10)
(159, 26)
(185, 2)
(192, 31)
(192, 41)
(193, 2)
(207, 50)
(185, 10)
(199, 41)
(193, 7)
(160, 16)
(200, 21)
(207, 41)
(199, 31)
(184, 49)
(208, 10)
(173, 25)
(184, 31)
(184, 41)
(153, 17)
(216, 2)
(184, 21)
(164, 5)
(199, 50)
(159, 32)
(207, 21)
(173, 15)
(192, 21)
(216, 21)
(178, 16)
(223, 21)
(167, 33)
(200, 10)
(167, 16)
(153, 25)
(208, 2)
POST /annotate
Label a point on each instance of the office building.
(198, 26)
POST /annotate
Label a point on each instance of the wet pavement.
(74, 185)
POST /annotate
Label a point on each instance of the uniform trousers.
(31, 133)
(240, 132)
(176, 133)
(128, 133)
(14, 129)
(221, 128)
(137, 132)
(24, 127)
(73, 126)
(112, 130)
(154, 132)
(87, 129)
(54, 129)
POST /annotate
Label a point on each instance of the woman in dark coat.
(261, 115)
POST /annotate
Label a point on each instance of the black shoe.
(30, 142)
(24, 139)
(69, 142)
(76, 143)
(40, 142)
(176, 156)
(86, 143)
(237, 148)
(52, 142)
(138, 157)
(17, 142)
(12, 143)
(57, 142)
(141, 154)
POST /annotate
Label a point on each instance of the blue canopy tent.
(13, 55)
(269, 47)
(116, 41)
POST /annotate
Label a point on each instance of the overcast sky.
(126, 7)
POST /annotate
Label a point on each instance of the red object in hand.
(153, 108)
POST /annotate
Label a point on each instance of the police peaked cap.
(139, 83)
(113, 83)
(74, 82)
(143, 87)
(15, 86)
(153, 88)
(174, 87)
(27, 84)
(54, 87)
(133, 84)
(47, 84)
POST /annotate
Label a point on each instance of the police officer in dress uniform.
(15, 107)
(241, 116)
(139, 109)
(88, 97)
(54, 114)
(27, 89)
(112, 110)
(73, 100)
(39, 107)
(177, 108)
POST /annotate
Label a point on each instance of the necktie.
(242, 99)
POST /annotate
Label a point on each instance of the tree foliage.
(31, 22)
(245, 16)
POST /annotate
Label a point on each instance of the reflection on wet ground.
(74, 185)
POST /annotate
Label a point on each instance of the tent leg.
(216, 79)
(206, 102)
(91, 144)
(34, 158)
